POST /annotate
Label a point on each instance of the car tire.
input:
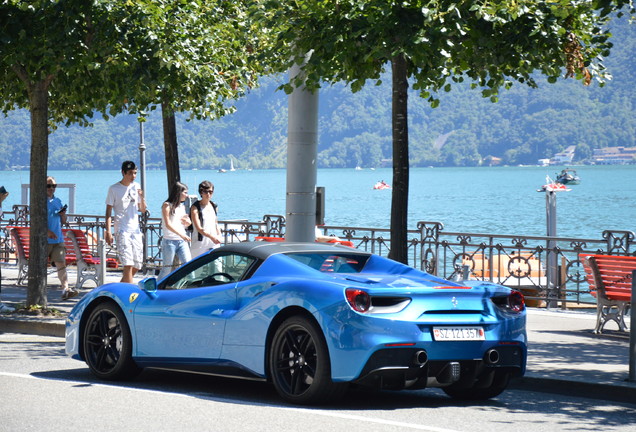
(499, 384)
(299, 363)
(107, 344)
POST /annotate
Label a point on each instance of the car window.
(217, 270)
(333, 263)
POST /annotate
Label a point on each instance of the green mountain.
(355, 129)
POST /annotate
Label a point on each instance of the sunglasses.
(207, 191)
(51, 186)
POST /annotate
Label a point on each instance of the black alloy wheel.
(107, 344)
(299, 363)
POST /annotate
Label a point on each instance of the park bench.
(88, 267)
(21, 242)
(77, 253)
(610, 279)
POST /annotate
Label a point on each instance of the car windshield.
(209, 271)
(332, 263)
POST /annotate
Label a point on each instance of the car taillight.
(359, 300)
(513, 302)
(516, 301)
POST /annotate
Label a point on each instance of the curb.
(35, 326)
(622, 392)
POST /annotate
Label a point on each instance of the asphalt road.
(42, 389)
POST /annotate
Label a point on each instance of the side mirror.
(148, 284)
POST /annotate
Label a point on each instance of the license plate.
(458, 333)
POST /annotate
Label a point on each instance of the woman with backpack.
(206, 234)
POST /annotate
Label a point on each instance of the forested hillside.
(355, 129)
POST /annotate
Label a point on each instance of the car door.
(185, 318)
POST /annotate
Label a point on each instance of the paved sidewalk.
(564, 355)
(14, 295)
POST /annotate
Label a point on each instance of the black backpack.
(197, 204)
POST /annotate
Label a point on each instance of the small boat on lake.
(381, 185)
(553, 186)
(568, 177)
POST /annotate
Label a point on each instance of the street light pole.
(142, 155)
(142, 169)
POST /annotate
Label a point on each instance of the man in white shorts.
(126, 199)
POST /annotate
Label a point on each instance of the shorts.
(56, 252)
(130, 247)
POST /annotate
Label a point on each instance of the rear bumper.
(361, 346)
(410, 368)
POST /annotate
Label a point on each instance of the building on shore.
(563, 158)
(614, 155)
(492, 161)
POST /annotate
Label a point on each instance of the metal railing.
(547, 269)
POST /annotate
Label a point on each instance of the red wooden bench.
(21, 242)
(76, 245)
(610, 279)
(88, 267)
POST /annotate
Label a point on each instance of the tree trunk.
(400, 193)
(170, 144)
(36, 291)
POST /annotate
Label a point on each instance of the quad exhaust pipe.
(420, 358)
(492, 356)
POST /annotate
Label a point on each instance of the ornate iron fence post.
(429, 240)
(619, 242)
(274, 225)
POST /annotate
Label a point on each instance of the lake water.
(501, 200)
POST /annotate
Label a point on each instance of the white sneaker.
(4, 309)
(69, 294)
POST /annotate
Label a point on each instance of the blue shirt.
(54, 220)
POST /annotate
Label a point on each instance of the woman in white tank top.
(174, 221)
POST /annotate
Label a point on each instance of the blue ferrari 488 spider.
(310, 318)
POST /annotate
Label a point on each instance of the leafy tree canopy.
(61, 44)
(197, 54)
(491, 43)
(66, 59)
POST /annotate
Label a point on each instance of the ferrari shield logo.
(133, 297)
